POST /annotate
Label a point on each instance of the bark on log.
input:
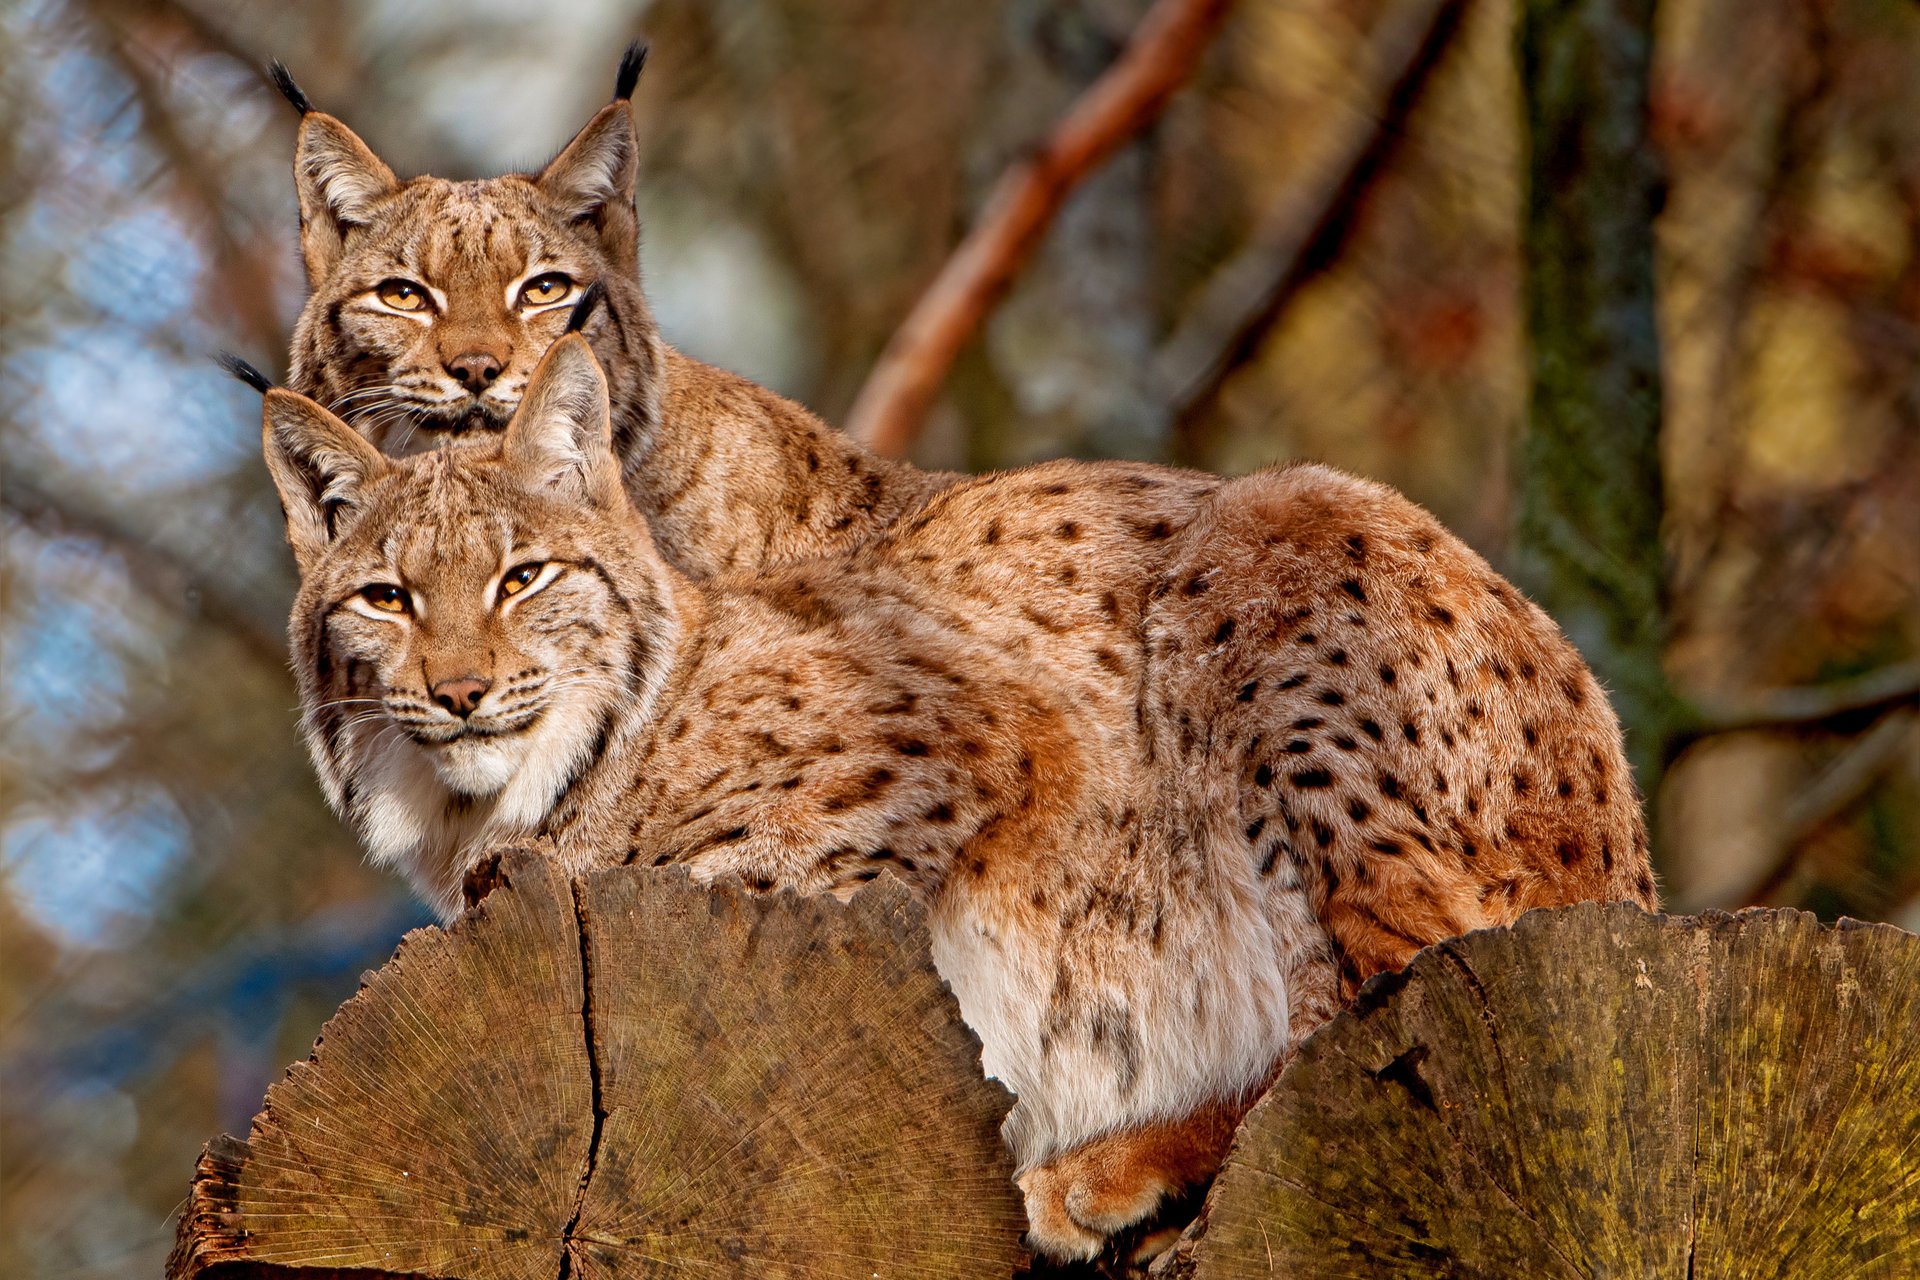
(627, 1075)
(1596, 1092)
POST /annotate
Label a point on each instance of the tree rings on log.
(1597, 1092)
(626, 1074)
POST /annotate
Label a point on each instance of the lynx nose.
(476, 370)
(461, 696)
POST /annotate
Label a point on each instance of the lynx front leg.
(1077, 1201)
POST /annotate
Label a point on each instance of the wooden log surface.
(1596, 1092)
(626, 1075)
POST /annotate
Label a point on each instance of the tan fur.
(729, 474)
(1176, 762)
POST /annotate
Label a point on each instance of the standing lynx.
(1163, 827)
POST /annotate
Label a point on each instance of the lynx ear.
(320, 465)
(562, 435)
(339, 180)
(593, 177)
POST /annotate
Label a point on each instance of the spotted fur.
(1176, 762)
(728, 474)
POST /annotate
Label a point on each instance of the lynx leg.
(1077, 1200)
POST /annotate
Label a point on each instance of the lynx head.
(473, 625)
(431, 301)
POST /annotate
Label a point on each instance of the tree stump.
(627, 1075)
(1596, 1092)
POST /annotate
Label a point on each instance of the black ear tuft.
(628, 76)
(583, 309)
(240, 369)
(283, 81)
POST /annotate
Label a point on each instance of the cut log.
(1596, 1092)
(627, 1075)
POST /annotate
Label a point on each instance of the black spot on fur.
(1224, 631)
(1292, 682)
(1388, 675)
(1263, 775)
(1333, 697)
(1323, 836)
(1310, 722)
(1356, 547)
(1569, 852)
(1359, 810)
(1389, 786)
(1255, 827)
(1198, 586)
(1338, 657)
(1299, 747)
(1353, 588)
(1247, 691)
(1312, 779)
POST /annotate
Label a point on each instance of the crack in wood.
(567, 1238)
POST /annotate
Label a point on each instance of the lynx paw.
(1077, 1201)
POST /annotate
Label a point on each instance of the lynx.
(429, 303)
(1174, 774)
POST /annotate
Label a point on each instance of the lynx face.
(431, 301)
(467, 619)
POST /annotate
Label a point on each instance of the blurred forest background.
(178, 911)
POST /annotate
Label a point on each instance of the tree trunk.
(627, 1075)
(1589, 496)
(1597, 1092)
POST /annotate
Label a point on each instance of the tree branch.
(1307, 228)
(1830, 795)
(1811, 708)
(1159, 58)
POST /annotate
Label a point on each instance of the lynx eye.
(520, 577)
(554, 286)
(387, 598)
(401, 295)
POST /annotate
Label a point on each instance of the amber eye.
(402, 295)
(554, 286)
(386, 597)
(519, 578)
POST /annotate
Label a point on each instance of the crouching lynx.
(1163, 829)
(429, 303)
